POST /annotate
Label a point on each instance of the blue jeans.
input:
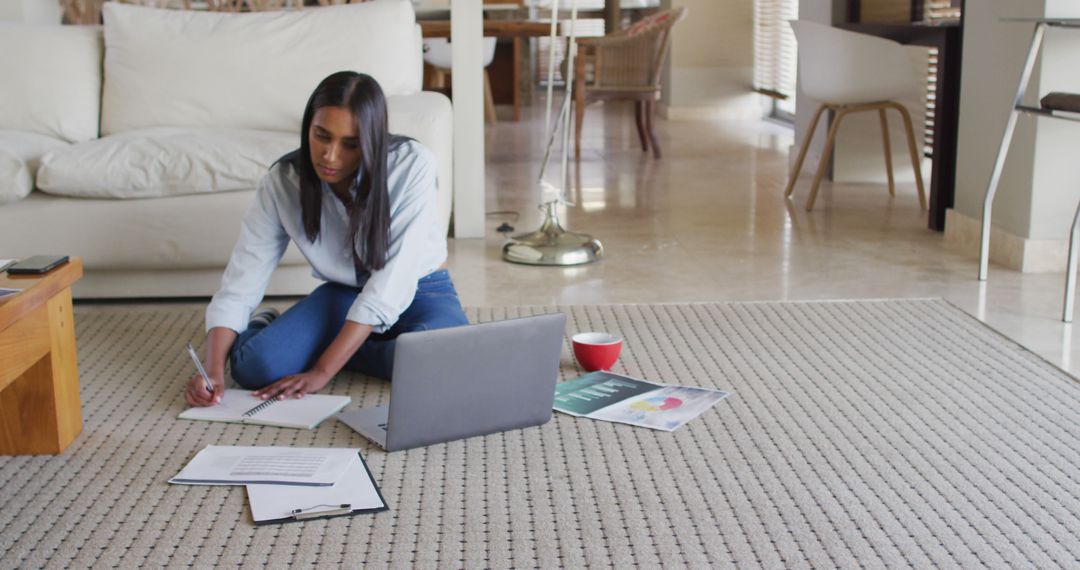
(295, 340)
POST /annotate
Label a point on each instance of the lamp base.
(552, 245)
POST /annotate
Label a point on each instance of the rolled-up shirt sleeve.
(257, 252)
(390, 290)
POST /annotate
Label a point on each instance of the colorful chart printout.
(615, 398)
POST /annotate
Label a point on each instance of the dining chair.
(850, 73)
(88, 12)
(82, 12)
(437, 54)
(181, 4)
(250, 5)
(625, 66)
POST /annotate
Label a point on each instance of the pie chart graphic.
(656, 404)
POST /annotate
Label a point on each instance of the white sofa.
(137, 146)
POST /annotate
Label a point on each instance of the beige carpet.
(858, 434)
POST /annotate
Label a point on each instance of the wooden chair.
(438, 58)
(625, 65)
(82, 12)
(88, 12)
(251, 5)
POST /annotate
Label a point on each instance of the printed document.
(356, 492)
(237, 465)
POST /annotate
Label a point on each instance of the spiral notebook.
(238, 406)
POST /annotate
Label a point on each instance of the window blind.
(775, 57)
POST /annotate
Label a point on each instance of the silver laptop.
(471, 380)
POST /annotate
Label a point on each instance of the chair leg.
(829, 142)
(650, 111)
(915, 160)
(802, 151)
(489, 101)
(579, 122)
(1070, 272)
(888, 150)
(639, 117)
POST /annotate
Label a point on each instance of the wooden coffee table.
(39, 378)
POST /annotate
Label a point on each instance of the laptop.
(465, 381)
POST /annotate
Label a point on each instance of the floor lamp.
(552, 244)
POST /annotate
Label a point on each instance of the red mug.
(596, 350)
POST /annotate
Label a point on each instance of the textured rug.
(858, 434)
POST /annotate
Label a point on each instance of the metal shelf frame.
(1018, 108)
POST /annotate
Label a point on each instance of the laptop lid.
(473, 380)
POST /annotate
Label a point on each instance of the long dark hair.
(369, 216)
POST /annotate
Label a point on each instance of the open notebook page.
(234, 404)
(306, 412)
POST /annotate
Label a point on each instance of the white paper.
(5, 292)
(238, 465)
(356, 489)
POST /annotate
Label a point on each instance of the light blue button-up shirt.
(417, 245)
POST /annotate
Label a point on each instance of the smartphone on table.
(37, 264)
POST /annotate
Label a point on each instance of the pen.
(198, 365)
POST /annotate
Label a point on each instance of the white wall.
(31, 11)
(466, 26)
(710, 71)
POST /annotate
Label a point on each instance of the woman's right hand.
(197, 394)
(218, 343)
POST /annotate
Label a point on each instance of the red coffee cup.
(596, 350)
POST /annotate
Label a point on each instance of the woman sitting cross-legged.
(360, 204)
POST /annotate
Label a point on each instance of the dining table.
(518, 30)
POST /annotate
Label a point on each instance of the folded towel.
(1058, 101)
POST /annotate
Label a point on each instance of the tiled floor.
(708, 222)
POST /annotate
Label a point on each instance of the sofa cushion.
(177, 232)
(151, 163)
(20, 153)
(15, 179)
(252, 70)
(50, 80)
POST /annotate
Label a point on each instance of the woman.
(360, 204)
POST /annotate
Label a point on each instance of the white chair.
(437, 55)
(849, 73)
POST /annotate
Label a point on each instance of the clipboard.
(357, 493)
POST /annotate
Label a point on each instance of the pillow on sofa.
(51, 80)
(164, 162)
(15, 180)
(252, 70)
(20, 152)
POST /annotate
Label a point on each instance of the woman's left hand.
(294, 386)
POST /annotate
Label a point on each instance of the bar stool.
(1056, 106)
